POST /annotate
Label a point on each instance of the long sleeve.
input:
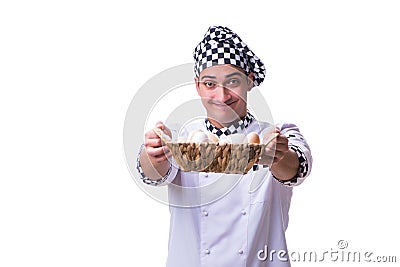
(168, 178)
(298, 143)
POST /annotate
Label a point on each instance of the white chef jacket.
(227, 219)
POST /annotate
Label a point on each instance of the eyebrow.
(207, 76)
(226, 76)
(234, 73)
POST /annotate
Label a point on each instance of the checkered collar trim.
(233, 128)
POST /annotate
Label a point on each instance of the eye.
(233, 82)
(209, 84)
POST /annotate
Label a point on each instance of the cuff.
(147, 180)
(302, 171)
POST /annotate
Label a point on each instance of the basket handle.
(164, 137)
(270, 138)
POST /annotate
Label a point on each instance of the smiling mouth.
(223, 105)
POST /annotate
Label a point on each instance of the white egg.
(199, 137)
(212, 138)
(237, 138)
(224, 140)
(192, 134)
(181, 139)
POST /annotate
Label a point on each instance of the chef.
(228, 219)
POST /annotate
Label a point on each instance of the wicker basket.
(208, 157)
(213, 157)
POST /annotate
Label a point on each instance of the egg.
(199, 137)
(181, 139)
(236, 138)
(212, 138)
(192, 134)
(224, 140)
(253, 138)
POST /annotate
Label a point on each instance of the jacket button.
(207, 251)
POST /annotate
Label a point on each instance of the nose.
(222, 94)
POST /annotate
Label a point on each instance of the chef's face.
(223, 91)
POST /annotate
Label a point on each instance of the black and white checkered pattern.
(145, 179)
(233, 128)
(303, 168)
(222, 46)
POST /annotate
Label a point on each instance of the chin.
(223, 116)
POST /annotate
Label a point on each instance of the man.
(228, 219)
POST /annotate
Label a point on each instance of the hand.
(276, 150)
(155, 150)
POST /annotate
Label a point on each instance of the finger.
(160, 125)
(154, 142)
(282, 142)
(281, 151)
(165, 129)
(282, 139)
(151, 135)
(156, 152)
(163, 157)
(160, 159)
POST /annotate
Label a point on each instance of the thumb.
(160, 125)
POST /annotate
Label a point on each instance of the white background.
(69, 69)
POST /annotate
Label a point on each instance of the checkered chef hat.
(222, 46)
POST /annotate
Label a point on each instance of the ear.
(250, 83)
(196, 81)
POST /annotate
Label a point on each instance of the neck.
(220, 125)
(216, 123)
